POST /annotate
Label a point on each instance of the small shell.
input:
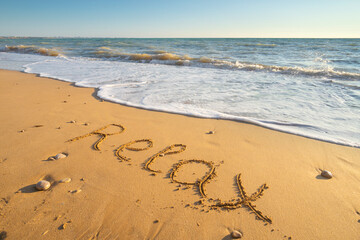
(236, 234)
(72, 121)
(59, 156)
(43, 185)
(326, 174)
(65, 180)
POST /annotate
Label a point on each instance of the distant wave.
(31, 49)
(257, 44)
(105, 52)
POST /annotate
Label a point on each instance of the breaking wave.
(31, 49)
(163, 57)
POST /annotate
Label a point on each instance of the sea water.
(308, 87)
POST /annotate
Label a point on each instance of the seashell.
(236, 234)
(43, 185)
(65, 180)
(51, 159)
(59, 156)
(72, 121)
(326, 174)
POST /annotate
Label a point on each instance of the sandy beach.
(127, 197)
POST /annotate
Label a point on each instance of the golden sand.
(111, 198)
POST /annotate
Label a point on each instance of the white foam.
(312, 108)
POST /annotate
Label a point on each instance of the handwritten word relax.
(175, 149)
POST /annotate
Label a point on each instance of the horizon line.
(2, 37)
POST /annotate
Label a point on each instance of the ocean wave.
(105, 52)
(31, 49)
(163, 57)
(326, 72)
(257, 44)
(167, 58)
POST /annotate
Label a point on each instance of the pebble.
(86, 124)
(326, 174)
(65, 180)
(211, 132)
(76, 191)
(43, 185)
(22, 131)
(72, 121)
(59, 156)
(63, 226)
(236, 234)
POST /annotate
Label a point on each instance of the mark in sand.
(98, 132)
(246, 201)
(165, 151)
(127, 147)
(200, 183)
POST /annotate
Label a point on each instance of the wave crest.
(32, 49)
(105, 52)
(175, 59)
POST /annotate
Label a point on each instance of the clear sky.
(180, 18)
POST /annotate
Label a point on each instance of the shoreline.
(244, 120)
(123, 200)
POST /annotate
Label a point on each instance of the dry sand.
(122, 200)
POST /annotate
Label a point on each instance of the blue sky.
(181, 18)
